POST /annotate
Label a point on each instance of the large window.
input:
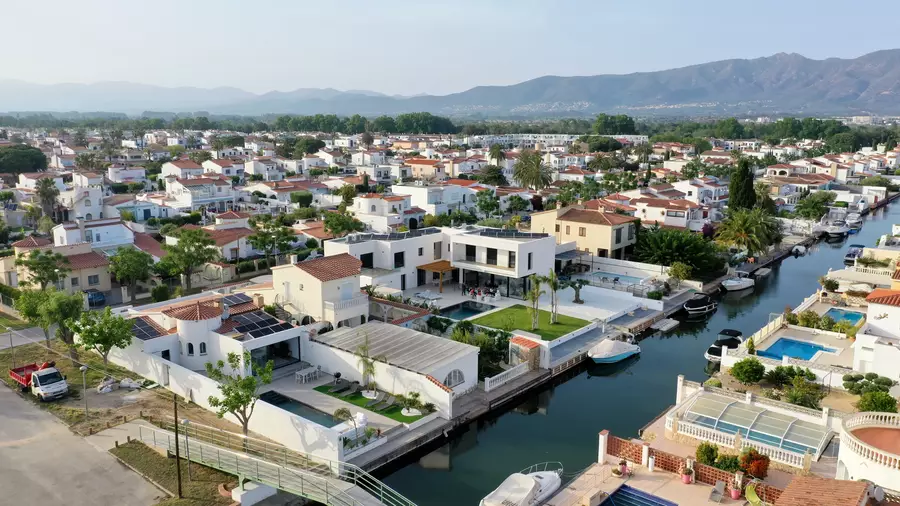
(190, 349)
(399, 260)
(529, 261)
(618, 235)
(631, 231)
(675, 214)
(492, 256)
(454, 378)
(203, 348)
(512, 260)
(582, 232)
(470, 253)
(437, 250)
(94, 280)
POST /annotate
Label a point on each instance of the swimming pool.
(630, 496)
(610, 276)
(838, 314)
(785, 347)
(298, 408)
(465, 310)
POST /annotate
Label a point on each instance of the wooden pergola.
(440, 266)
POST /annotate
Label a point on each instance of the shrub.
(713, 382)
(160, 293)
(748, 371)
(153, 222)
(751, 347)
(802, 392)
(655, 295)
(826, 323)
(771, 393)
(877, 401)
(728, 463)
(270, 308)
(871, 376)
(778, 377)
(707, 453)
(754, 463)
(246, 266)
(809, 318)
(312, 243)
(792, 318)
(847, 377)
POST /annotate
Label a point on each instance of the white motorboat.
(610, 351)
(853, 252)
(837, 228)
(854, 220)
(741, 281)
(700, 304)
(799, 250)
(727, 338)
(529, 487)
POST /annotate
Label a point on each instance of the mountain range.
(779, 84)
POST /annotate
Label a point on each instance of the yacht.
(727, 338)
(741, 281)
(610, 351)
(855, 251)
(837, 228)
(700, 304)
(529, 487)
(854, 220)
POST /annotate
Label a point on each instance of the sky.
(410, 47)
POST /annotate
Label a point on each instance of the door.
(403, 281)
(420, 279)
(146, 214)
(165, 355)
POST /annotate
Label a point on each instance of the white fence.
(727, 440)
(506, 376)
(878, 271)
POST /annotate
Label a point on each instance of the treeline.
(411, 123)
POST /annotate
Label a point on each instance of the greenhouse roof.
(757, 424)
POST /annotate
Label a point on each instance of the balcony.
(356, 301)
(870, 447)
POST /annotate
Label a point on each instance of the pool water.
(298, 408)
(838, 314)
(465, 310)
(785, 347)
(623, 279)
(629, 496)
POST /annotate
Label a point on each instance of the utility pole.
(177, 451)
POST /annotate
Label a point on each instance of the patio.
(842, 357)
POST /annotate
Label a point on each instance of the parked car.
(95, 298)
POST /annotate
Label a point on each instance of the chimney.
(293, 259)
(259, 301)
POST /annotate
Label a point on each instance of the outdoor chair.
(378, 398)
(752, 498)
(340, 386)
(354, 387)
(718, 492)
(386, 404)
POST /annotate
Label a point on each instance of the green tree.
(877, 401)
(64, 309)
(87, 161)
(200, 156)
(238, 386)
(692, 169)
(270, 236)
(814, 205)
(130, 266)
(876, 181)
(533, 296)
(496, 153)
(553, 284)
(679, 271)
(740, 191)
(45, 225)
(344, 415)
(302, 198)
(576, 285)
(665, 246)
(846, 142)
(487, 202)
(29, 304)
(194, 248)
(763, 199)
(619, 124)
(47, 192)
(748, 371)
(366, 139)
(516, 204)
(44, 267)
(366, 363)
(175, 151)
(307, 146)
(102, 331)
(751, 230)
(19, 158)
(341, 224)
(79, 138)
(347, 193)
(531, 172)
(493, 175)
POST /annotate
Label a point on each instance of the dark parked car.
(95, 298)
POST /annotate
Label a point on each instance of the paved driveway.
(24, 336)
(42, 462)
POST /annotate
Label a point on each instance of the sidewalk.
(105, 440)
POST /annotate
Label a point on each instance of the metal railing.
(274, 452)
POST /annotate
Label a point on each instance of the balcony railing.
(356, 301)
(864, 450)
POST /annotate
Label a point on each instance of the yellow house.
(599, 233)
(423, 168)
(88, 270)
(323, 289)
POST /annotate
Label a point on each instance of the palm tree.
(86, 161)
(531, 172)
(750, 230)
(496, 153)
(47, 192)
(552, 282)
(344, 415)
(533, 297)
(367, 363)
(577, 285)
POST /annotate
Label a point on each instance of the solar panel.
(143, 330)
(238, 298)
(261, 332)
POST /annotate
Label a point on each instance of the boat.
(727, 338)
(853, 252)
(799, 250)
(741, 281)
(610, 351)
(837, 228)
(854, 220)
(529, 487)
(700, 304)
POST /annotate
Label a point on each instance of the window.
(421, 251)
(94, 280)
(631, 231)
(529, 261)
(301, 287)
(690, 192)
(557, 227)
(492, 256)
(373, 208)
(203, 348)
(512, 259)
(582, 232)
(97, 238)
(675, 214)
(399, 260)
(89, 217)
(190, 349)
(470, 253)
(74, 282)
(454, 378)
(87, 202)
(618, 235)
(568, 231)
(437, 250)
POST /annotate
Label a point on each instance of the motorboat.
(727, 338)
(854, 220)
(700, 304)
(610, 351)
(741, 281)
(799, 250)
(837, 228)
(529, 487)
(853, 252)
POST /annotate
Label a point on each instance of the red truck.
(45, 381)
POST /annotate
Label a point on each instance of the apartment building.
(600, 233)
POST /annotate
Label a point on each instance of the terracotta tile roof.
(233, 215)
(896, 274)
(222, 162)
(185, 164)
(664, 203)
(595, 217)
(438, 383)
(227, 326)
(259, 286)
(422, 161)
(32, 242)
(884, 296)
(331, 267)
(395, 198)
(225, 235)
(114, 200)
(461, 182)
(195, 311)
(525, 343)
(815, 491)
(607, 205)
(315, 229)
(414, 210)
(244, 307)
(148, 244)
(197, 181)
(87, 261)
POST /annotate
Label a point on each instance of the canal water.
(560, 422)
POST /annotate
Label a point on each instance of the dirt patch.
(836, 399)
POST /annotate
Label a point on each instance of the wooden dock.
(665, 325)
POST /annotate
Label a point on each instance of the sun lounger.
(718, 492)
(378, 398)
(386, 404)
(354, 387)
(340, 386)
(752, 498)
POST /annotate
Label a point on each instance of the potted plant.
(687, 475)
(735, 491)
(615, 472)
(623, 466)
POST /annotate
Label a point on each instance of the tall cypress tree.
(740, 189)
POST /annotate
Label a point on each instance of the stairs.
(282, 314)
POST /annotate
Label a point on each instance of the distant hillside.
(783, 83)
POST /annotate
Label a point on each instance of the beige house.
(88, 270)
(423, 168)
(593, 230)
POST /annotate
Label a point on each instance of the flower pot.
(686, 478)
(623, 468)
(735, 493)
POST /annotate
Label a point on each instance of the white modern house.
(211, 191)
(383, 213)
(126, 174)
(438, 199)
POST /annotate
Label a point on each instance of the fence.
(508, 375)
(873, 270)
(632, 452)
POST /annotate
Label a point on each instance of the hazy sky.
(409, 47)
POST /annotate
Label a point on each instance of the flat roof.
(401, 347)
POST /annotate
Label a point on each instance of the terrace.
(838, 352)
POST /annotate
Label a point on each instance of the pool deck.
(843, 347)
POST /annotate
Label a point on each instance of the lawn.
(202, 489)
(9, 322)
(518, 317)
(357, 399)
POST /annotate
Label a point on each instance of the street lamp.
(84, 389)
(187, 446)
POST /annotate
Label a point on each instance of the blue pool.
(838, 314)
(791, 348)
(610, 276)
(465, 310)
(298, 408)
(629, 496)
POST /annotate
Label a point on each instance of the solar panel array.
(10, 206)
(143, 330)
(258, 324)
(496, 232)
(238, 298)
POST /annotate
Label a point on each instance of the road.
(24, 336)
(42, 462)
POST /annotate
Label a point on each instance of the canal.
(560, 422)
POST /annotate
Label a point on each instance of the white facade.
(105, 233)
(125, 174)
(81, 202)
(438, 199)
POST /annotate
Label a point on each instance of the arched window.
(373, 208)
(454, 378)
(89, 216)
(203, 348)
(87, 202)
(190, 349)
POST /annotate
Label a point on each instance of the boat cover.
(516, 490)
(611, 348)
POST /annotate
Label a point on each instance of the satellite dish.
(878, 493)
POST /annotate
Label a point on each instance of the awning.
(572, 254)
(438, 266)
